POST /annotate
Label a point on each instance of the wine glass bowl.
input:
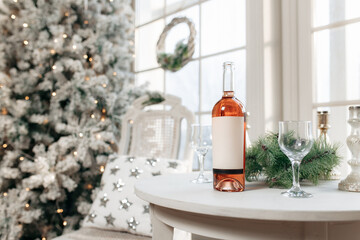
(201, 143)
(295, 141)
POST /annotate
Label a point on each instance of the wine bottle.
(228, 131)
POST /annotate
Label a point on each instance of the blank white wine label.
(228, 142)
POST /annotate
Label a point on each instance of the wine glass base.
(201, 179)
(296, 194)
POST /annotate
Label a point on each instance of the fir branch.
(265, 157)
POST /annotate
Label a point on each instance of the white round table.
(257, 213)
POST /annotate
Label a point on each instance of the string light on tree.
(104, 85)
(26, 42)
(96, 101)
(56, 40)
(53, 67)
(114, 73)
(4, 111)
(25, 25)
(21, 158)
(87, 78)
(27, 206)
(53, 94)
(13, 17)
(52, 51)
(92, 115)
(65, 223)
(90, 59)
(85, 56)
(81, 135)
(59, 210)
(75, 153)
(86, 22)
(66, 14)
(74, 47)
(5, 194)
(43, 238)
(27, 98)
(27, 189)
(102, 168)
(4, 145)
(65, 35)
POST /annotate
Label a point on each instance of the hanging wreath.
(183, 50)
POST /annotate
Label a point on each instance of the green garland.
(265, 157)
(173, 62)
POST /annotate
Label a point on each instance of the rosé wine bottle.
(229, 134)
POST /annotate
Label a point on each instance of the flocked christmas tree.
(64, 76)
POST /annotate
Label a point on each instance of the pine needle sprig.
(265, 157)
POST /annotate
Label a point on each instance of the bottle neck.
(228, 80)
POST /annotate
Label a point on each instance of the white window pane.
(212, 79)
(331, 11)
(176, 5)
(223, 25)
(185, 84)
(337, 64)
(147, 10)
(181, 31)
(145, 45)
(154, 79)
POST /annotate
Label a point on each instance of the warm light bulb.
(85, 56)
(25, 25)
(53, 94)
(87, 78)
(65, 223)
(15, 1)
(45, 121)
(27, 205)
(98, 136)
(53, 67)
(59, 210)
(66, 14)
(65, 35)
(102, 118)
(103, 110)
(26, 42)
(52, 51)
(27, 98)
(27, 189)
(114, 73)
(75, 153)
(43, 238)
(102, 168)
(90, 59)
(111, 0)
(21, 158)
(92, 115)
(5, 194)
(13, 16)
(56, 40)
(4, 145)
(74, 46)
(81, 135)
(86, 22)
(96, 101)
(104, 85)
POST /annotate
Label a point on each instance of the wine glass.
(201, 142)
(295, 141)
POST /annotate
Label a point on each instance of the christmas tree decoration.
(60, 106)
(266, 158)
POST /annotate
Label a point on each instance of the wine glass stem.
(296, 169)
(201, 164)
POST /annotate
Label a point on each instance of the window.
(221, 36)
(334, 62)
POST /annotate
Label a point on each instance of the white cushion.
(116, 206)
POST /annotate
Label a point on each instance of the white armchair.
(163, 131)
